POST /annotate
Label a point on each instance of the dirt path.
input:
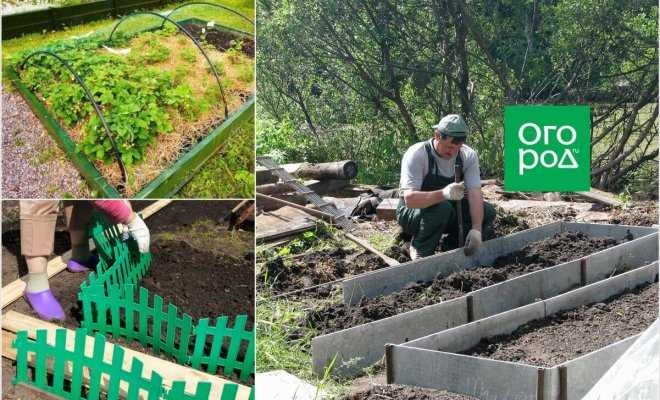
(570, 334)
(538, 255)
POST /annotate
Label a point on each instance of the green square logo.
(547, 148)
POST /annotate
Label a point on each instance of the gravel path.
(33, 165)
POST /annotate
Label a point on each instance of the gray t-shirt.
(415, 166)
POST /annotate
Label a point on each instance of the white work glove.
(139, 231)
(453, 191)
(472, 242)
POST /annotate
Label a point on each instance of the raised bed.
(435, 361)
(357, 347)
(144, 161)
(392, 279)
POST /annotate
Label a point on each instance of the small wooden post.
(540, 383)
(563, 383)
(470, 308)
(388, 363)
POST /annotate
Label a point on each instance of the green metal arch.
(185, 32)
(90, 97)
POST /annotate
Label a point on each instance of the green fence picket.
(229, 391)
(95, 373)
(58, 362)
(97, 367)
(95, 364)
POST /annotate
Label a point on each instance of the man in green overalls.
(429, 195)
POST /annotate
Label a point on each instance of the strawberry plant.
(143, 93)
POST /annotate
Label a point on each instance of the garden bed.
(570, 334)
(157, 110)
(286, 274)
(560, 248)
(447, 360)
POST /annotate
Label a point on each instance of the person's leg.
(489, 217)
(426, 225)
(38, 219)
(451, 241)
(78, 214)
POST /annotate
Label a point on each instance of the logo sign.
(547, 148)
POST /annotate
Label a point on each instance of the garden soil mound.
(222, 40)
(570, 334)
(560, 248)
(315, 268)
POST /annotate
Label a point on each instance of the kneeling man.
(429, 195)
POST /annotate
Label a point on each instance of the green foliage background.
(366, 79)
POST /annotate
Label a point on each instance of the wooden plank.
(153, 208)
(386, 210)
(284, 222)
(14, 322)
(14, 290)
(388, 260)
(601, 197)
(310, 211)
(516, 205)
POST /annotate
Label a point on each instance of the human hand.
(139, 231)
(472, 242)
(453, 191)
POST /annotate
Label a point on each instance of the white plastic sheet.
(636, 375)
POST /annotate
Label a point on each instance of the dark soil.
(403, 393)
(199, 282)
(573, 333)
(545, 253)
(221, 40)
(182, 214)
(507, 223)
(399, 253)
(642, 214)
(314, 268)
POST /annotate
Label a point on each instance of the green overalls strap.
(427, 225)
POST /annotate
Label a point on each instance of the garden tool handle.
(459, 207)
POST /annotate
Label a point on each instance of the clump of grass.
(231, 172)
(246, 73)
(188, 54)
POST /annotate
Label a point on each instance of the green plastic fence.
(66, 364)
(113, 304)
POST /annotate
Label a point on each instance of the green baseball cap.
(452, 125)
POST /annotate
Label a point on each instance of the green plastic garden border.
(99, 369)
(111, 291)
(170, 180)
